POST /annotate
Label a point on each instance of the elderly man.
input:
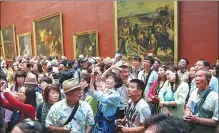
(204, 65)
(202, 108)
(70, 115)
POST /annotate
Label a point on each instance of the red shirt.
(152, 92)
(27, 110)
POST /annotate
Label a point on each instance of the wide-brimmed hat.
(70, 84)
(30, 80)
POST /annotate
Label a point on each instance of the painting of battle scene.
(86, 43)
(48, 36)
(147, 27)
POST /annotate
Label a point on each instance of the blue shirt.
(108, 103)
(214, 84)
(152, 77)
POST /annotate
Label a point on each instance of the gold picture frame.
(24, 44)
(145, 19)
(87, 45)
(8, 42)
(48, 35)
(1, 50)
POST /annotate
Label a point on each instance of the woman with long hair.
(37, 68)
(19, 80)
(153, 99)
(173, 94)
(23, 104)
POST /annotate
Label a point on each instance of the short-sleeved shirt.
(60, 112)
(152, 77)
(137, 114)
(209, 109)
(180, 96)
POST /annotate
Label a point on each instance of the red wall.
(198, 24)
(198, 31)
(77, 17)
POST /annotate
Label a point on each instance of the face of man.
(73, 95)
(136, 63)
(156, 65)
(133, 91)
(147, 64)
(200, 66)
(24, 67)
(192, 72)
(84, 65)
(125, 74)
(200, 80)
(182, 64)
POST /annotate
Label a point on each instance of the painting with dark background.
(86, 43)
(8, 42)
(48, 35)
(146, 27)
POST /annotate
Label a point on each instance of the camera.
(119, 123)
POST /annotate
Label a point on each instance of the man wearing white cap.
(70, 115)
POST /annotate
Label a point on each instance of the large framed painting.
(48, 37)
(1, 51)
(86, 43)
(144, 27)
(24, 44)
(8, 42)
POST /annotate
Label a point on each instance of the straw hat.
(70, 84)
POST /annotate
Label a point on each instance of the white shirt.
(60, 112)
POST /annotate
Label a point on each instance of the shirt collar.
(202, 93)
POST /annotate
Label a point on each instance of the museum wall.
(198, 30)
(198, 24)
(77, 17)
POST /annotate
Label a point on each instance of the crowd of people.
(108, 95)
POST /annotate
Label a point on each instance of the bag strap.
(146, 80)
(72, 113)
(201, 102)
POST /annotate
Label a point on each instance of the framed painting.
(48, 37)
(1, 50)
(8, 42)
(86, 43)
(143, 27)
(24, 44)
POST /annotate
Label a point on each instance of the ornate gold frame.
(85, 33)
(2, 39)
(176, 28)
(43, 18)
(18, 44)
